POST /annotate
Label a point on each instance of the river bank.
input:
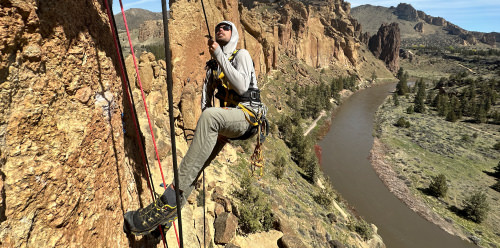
(399, 188)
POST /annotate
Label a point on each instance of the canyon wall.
(70, 164)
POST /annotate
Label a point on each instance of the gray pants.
(226, 122)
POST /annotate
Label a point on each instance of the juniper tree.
(476, 207)
(438, 186)
(402, 86)
(420, 97)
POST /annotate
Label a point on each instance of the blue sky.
(478, 15)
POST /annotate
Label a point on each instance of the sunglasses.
(224, 27)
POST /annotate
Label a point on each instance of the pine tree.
(402, 86)
(400, 74)
(443, 105)
(420, 97)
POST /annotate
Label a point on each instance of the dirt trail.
(314, 123)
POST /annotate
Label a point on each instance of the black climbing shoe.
(163, 211)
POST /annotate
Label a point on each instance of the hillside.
(418, 28)
(135, 18)
(70, 159)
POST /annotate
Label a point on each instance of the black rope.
(133, 110)
(171, 115)
(136, 120)
(206, 21)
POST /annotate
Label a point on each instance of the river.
(346, 148)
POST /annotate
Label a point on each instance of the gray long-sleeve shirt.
(240, 73)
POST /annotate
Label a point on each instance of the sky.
(471, 15)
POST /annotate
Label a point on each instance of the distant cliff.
(419, 28)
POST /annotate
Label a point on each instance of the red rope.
(143, 95)
(145, 105)
(132, 108)
(128, 96)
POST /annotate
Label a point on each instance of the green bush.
(279, 167)
(395, 99)
(363, 228)
(255, 209)
(496, 172)
(410, 110)
(310, 167)
(476, 207)
(496, 186)
(497, 146)
(402, 122)
(438, 186)
(323, 198)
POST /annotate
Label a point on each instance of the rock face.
(150, 29)
(385, 45)
(64, 177)
(419, 27)
(406, 12)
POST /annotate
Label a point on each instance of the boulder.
(225, 228)
(290, 241)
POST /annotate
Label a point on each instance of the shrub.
(496, 172)
(279, 167)
(410, 110)
(497, 146)
(363, 228)
(438, 186)
(476, 207)
(395, 99)
(496, 186)
(255, 210)
(323, 198)
(402, 122)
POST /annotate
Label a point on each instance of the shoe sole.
(165, 227)
(167, 223)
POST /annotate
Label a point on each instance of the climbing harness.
(258, 122)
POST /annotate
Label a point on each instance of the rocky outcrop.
(406, 54)
(488, 38)
(150, 29)
(419, 27)
(385, 45)
(405, 11)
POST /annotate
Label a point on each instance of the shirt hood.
(229, 48)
